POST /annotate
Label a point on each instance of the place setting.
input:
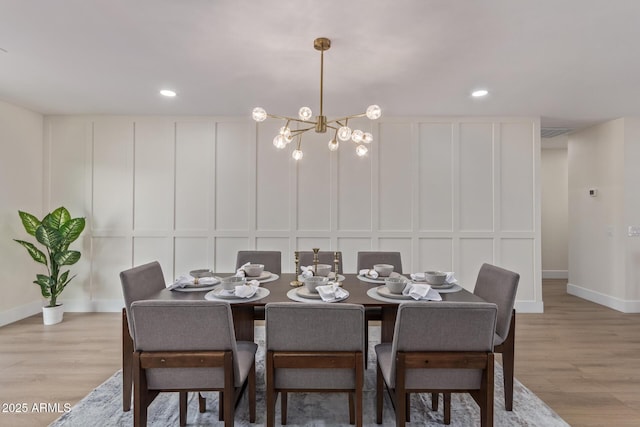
(398, 289)
(235, 289)
(196, 281)
(441, 281)
(257, 272)
(318, 289)
(323, 270)
(378, 274)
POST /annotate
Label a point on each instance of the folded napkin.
(186, 280)
(420, 277)
(368, 273)
(247, 290)
(419, 291)
(331, 292)
(306, 271)
(240, 272)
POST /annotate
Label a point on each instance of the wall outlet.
(634, 231)
(593, 192)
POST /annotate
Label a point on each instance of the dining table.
(358, 287)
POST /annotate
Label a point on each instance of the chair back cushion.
(272, 260)
(499, 286)
(184, 326)
(317, 327)
(369, 259)
(139, 283)
(443, 326)
(324, 257)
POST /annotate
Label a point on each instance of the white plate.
(264, 276)
(215, 295)
(199, 288)
(293, 295)
(373, 293)
(304, 293)
(379, 280)
(385, 292)
(443, 286)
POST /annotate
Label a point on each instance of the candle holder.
(296, 283)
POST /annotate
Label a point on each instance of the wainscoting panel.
(153, 175)
(476, 177)
(435, 180)
(195, 174)
(395, 176)
(448, 193)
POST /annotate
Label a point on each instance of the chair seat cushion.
(497, 340)
(246, 357)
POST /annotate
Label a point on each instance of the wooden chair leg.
(447, 407)
(434, 401)
(127, 363)
(401, 398)
(183, 408)
(252, 393)
(507, 348)
(359, 386)
(352, 412)
(229, 395)
(202, 403)
(407, 405)
(486, 392)
(379, 394)
(220, 406)
(270, 391)
(283, 408)
(140, 394)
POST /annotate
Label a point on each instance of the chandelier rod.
(321, 78)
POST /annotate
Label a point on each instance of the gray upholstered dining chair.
(499, 286)
(190, 346)
(272, 260)
(324, 257)
(314, 348)
(367, 259)
(137, 283)
(454, 354)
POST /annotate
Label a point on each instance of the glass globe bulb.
(373, 112)
(305, 113)
(296, 154)
(367, 138)
(361, 150)
(286, 133)
(357, 136)
(259, 114)
(279, 142)
(333, 145)
(344, 133)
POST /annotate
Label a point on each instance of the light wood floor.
(582, 359)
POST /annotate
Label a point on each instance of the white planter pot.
(52, 315)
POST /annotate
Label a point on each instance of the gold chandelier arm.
(300, 131)
(346, 118)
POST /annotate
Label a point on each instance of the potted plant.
(55, 232)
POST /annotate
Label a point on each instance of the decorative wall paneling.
(448, 193)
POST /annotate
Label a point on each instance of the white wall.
(21, 165)
(603, 260)
(449, 193)
(554, 182)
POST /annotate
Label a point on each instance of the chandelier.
(340, 126)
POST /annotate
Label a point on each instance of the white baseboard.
(555, 274)
(625, 306)
(21, 312)
(529, 307)
(100, 306)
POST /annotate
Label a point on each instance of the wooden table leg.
(388, 322)
(243, 322)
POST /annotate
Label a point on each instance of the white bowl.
(395, 284)
(311, 283)
(435, 277)
(383, 270)
(323, 270)
(230, 283)
(254, 270)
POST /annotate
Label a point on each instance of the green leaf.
(56, 218)
(62, 283)
(29, 222)
(71, 230)
(50, 237)
(46, 284)
(66, 257)
(63, 278)
(35, 253)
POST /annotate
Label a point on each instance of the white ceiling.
(572, 62)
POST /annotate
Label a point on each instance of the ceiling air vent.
(551, 132)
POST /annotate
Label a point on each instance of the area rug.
(103, 406)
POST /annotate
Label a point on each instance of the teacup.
(435, 277)
(230, 283)
(253, 270)
(383, 270)
(323, 270)
(395, 284)
(311, 283)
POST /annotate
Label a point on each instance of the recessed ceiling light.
(168, 93)
(479, 93)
